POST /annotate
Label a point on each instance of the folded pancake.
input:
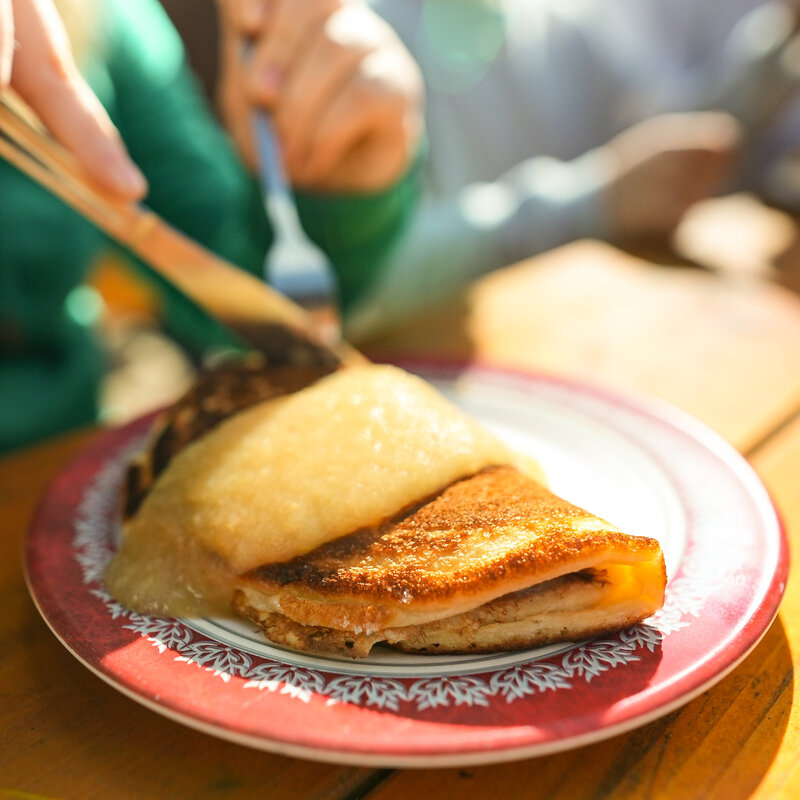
(494, 562)
(280, 478)
(345, 508)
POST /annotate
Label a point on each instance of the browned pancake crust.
(511, 622)
(480, 532)
(217, 394)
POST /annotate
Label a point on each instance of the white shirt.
(521, 94)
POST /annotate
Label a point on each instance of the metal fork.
(294, 265)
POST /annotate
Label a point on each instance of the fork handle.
(278, 198)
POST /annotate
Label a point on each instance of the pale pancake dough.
(281, 478)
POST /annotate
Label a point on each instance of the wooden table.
(727, 351)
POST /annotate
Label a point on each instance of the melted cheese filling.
(279, 479)
(641, 582)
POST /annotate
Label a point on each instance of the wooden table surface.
(726, 349)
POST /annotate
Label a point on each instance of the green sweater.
(51, 363)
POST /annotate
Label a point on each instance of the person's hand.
(36, 61)
(345, 94)
(663, 166)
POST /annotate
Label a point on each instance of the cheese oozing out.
(279, 479)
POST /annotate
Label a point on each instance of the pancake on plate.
(362, 507)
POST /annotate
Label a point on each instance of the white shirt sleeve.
(453, 240)
(513, 168)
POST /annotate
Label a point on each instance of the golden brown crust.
(569, 607)
(420, 642)
(479, 533)
(308, 638)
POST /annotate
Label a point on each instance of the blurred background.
(147, 368)
(704, 57)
